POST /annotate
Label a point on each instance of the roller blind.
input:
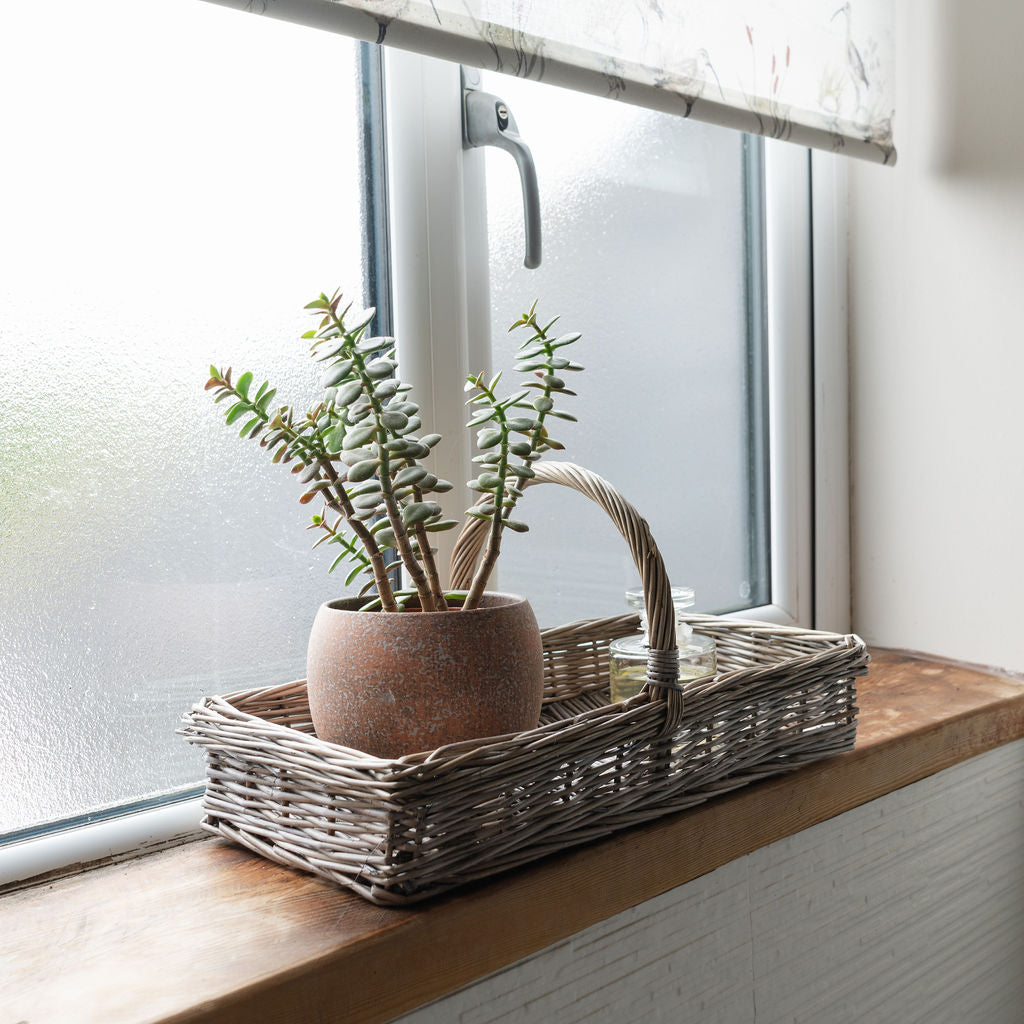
(812, 72)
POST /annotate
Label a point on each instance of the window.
(155, 221)
(149, 556)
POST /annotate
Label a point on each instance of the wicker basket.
(398, 831)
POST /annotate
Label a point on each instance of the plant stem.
(339, 502)
(493, 549)
(429, 565)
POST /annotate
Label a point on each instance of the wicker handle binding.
(663, 660)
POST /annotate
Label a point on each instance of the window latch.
(487, 121)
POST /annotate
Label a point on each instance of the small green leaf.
(430, 440)
(488, 481)
(361, 320)
(441, 524)
(566, 339)
(334, 439)
(379, 369)
(237, 411)
(543, 404)
(522, 425)
(363, 470)
(410, 475)
(265, 401)
(359, 435)
(371, 486)
(488, 438)
(419, 511)
(335, 375)
(374, 344)
(482, 417)
(394, 420)
(514, 526)
(348, 393)
(242, 387)
(366, 501)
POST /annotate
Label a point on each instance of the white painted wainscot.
(908, 908)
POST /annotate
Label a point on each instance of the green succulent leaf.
(380, 368)
(394, 420)
(348, 392)
(237, 411)
(441, 524)
(488, 438)
(359, 435)
(410, 475)
(363, 470)
(482, 417)
(419, 511)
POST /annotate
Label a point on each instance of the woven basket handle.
(663, 661)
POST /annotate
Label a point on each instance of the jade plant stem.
(493, 548)
(338, 501)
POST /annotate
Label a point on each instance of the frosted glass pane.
(645, 252)
(180, 180)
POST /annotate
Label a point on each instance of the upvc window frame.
(438, 220)
(441, 303)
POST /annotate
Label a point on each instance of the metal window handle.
(487, 121)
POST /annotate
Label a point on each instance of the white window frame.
(441, 304)
(438, 219)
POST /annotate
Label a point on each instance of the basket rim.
(455, 754)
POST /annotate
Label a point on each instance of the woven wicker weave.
(398, 831)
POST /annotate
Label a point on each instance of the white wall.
(937, 344)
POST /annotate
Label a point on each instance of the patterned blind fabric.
(815, 72)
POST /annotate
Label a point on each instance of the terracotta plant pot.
(393, 683)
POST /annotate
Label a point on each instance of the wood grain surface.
(208, 932)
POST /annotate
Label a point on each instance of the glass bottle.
(628, 655)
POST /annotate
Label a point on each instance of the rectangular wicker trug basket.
(398, 831)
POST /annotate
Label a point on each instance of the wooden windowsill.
(210, 932)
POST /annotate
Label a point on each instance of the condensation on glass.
(652, 250)
(179, 181)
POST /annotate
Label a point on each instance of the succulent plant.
(360, 450)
